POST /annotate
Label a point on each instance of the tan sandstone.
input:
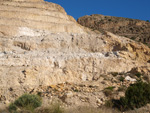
(41, 46)
(25, 17)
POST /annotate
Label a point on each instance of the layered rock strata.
(25, 17)
(41, 46)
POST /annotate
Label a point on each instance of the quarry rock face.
(132, 28)
(40, 45)
(27, 17)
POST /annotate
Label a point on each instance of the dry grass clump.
(86, 109)
(53, 108)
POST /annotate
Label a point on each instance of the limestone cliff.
(41, 46)
(26, 17)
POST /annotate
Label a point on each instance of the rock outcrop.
(27, 17)
(41, 46)
(134, 29)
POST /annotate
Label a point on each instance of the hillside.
(44, 50)
(134, 29)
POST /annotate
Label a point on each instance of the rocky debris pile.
(134, 29)
(87, 93)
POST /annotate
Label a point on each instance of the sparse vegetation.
(12, 107)
(138, 75)
(110, 88)
(109, 19)
(121, 79)
(109, 103)
(25, 102)
(136, 96)
(122, 88)
(127, 27)
(89, 109)
(108, 91)
(54, 108)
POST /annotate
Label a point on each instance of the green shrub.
(39, 94)
(136, 96)
(12, 107)
(109, 103)
(122, 88)
(28, 101)
(25, 102)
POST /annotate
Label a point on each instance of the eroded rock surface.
(41, 46)
(132, 28)
(25, 17)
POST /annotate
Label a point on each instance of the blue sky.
(136, 9)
